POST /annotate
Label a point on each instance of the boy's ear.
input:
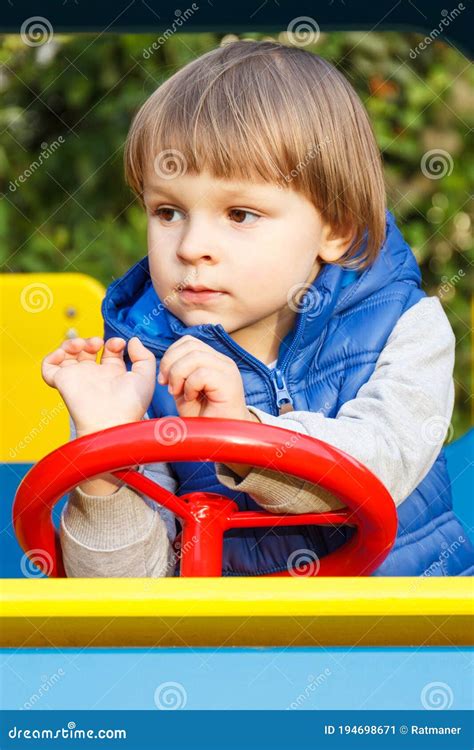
(332, 246)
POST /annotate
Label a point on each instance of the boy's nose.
(196, 244)
(195, 255)
(195, 250)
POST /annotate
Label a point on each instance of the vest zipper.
(282, 396)
(283, 399)
(226, 339)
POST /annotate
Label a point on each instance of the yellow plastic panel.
(38, 311)
(236, 612)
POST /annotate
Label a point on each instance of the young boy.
(262, 182)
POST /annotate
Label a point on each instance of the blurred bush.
(66, 107)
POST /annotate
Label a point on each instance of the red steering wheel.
(205, 516)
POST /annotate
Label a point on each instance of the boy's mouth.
(200, 293)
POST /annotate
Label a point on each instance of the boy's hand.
(204, 383)
(105, 394)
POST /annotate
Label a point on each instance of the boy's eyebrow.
(244, 191)
(153, 190)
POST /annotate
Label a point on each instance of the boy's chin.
(200, 317)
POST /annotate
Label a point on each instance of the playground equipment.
(371, 625)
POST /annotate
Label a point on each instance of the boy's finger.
(72, 347)
(91, 346)
(80, 349)
(203, 380)
(50, 365)
(184, 366)
(113, 350)
(181, 348)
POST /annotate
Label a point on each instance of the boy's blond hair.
(265, 111)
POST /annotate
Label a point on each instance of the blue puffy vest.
(322, 362)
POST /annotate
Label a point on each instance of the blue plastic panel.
(234, 678)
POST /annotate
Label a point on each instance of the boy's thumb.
(139, 353)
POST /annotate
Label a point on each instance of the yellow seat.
(38, 311)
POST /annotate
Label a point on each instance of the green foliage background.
(74, 213)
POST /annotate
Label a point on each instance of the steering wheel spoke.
(154, 491)
(250, 519)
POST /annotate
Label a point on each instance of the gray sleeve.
(115, 535)
(123, 534)
(396, 425)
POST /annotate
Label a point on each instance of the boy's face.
(251, 241)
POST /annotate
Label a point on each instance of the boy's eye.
(239, 215)
(166, 213)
